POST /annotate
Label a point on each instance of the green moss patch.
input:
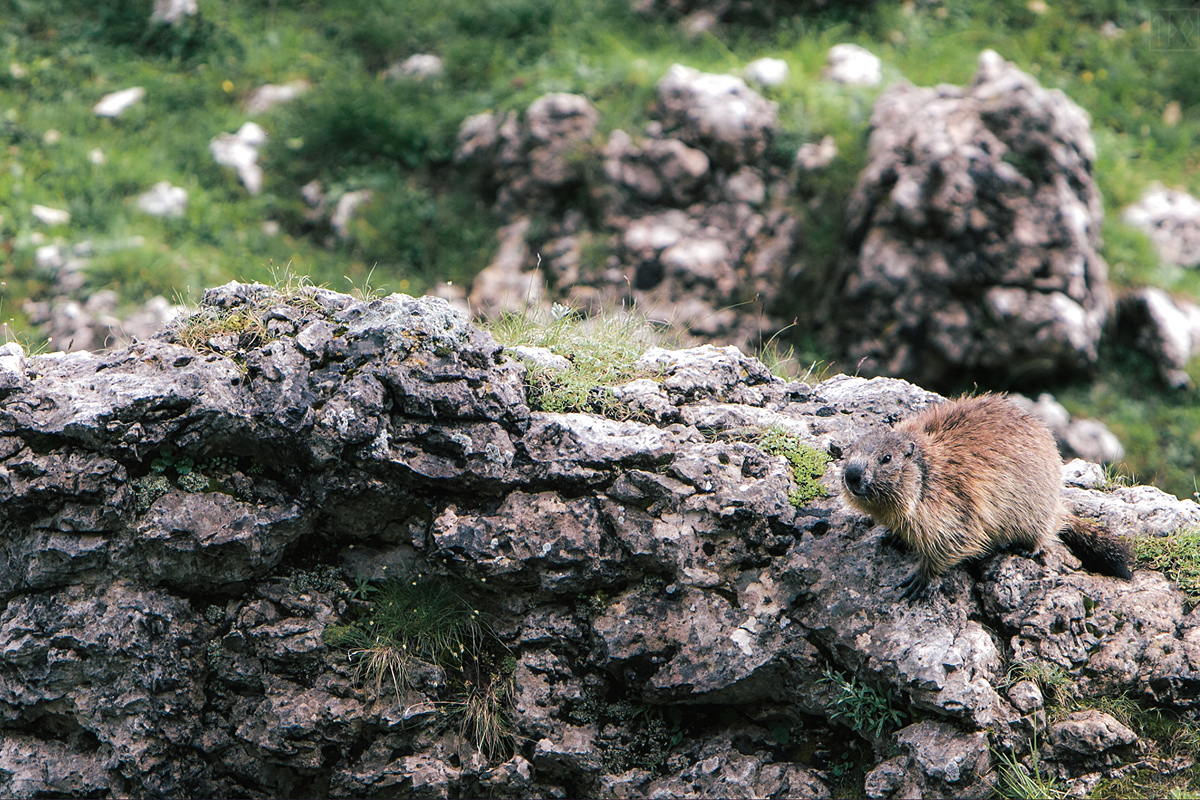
(808, 464)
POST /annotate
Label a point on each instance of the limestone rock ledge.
(179, 526)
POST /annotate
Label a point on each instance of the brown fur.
(965, 477)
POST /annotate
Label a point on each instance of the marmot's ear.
(910, 448)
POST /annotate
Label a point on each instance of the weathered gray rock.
(94, 324)
(1165, 329)
(975, 228)
(938, 761)
(1171, 219)
(182, 525)
(1091, 733)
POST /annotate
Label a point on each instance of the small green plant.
(808, 464)
(602, 353)
(1176, 556)
(362, 588)
(863, 708)
(646, 732)
(482, 711)
(169, 460)
(1026, 783)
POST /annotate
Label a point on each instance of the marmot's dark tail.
(1099, 550)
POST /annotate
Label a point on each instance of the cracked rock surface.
(181, 525)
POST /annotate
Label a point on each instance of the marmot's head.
(883, 475)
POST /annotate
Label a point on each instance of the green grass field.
(430, 220)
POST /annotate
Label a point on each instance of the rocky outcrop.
(974, 231)
(689, 221)
(185, 520)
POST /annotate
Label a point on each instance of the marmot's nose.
(854, 475)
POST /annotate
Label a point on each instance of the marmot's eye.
(886, 459)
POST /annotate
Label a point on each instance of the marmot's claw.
(914, 587)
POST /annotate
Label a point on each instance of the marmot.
(966, 477)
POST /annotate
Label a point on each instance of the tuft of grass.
(1027, 783)
(602, 351)
(482, 712)
(1176, 556)
(246, 322)
(1057, 686)
(808, 464)
(863, 708)
(413, 624)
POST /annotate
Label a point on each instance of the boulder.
(1087, 439)
(974, 231)
(692, 220)
(717, 113)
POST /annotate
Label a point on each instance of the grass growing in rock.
(1170, 738)
(414, 627)
(808, 464)
(1021, 782)
(602, 352)
(1176, 556)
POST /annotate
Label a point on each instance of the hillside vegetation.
(429, 220)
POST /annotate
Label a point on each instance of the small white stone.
(767, 71)
(113, 105)
(267, 97)
(50, 216)
(164, 200)
(240, 151)
(854, 66)
(812, 156)
(345, 209)
(168, 12)
(421, 66)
